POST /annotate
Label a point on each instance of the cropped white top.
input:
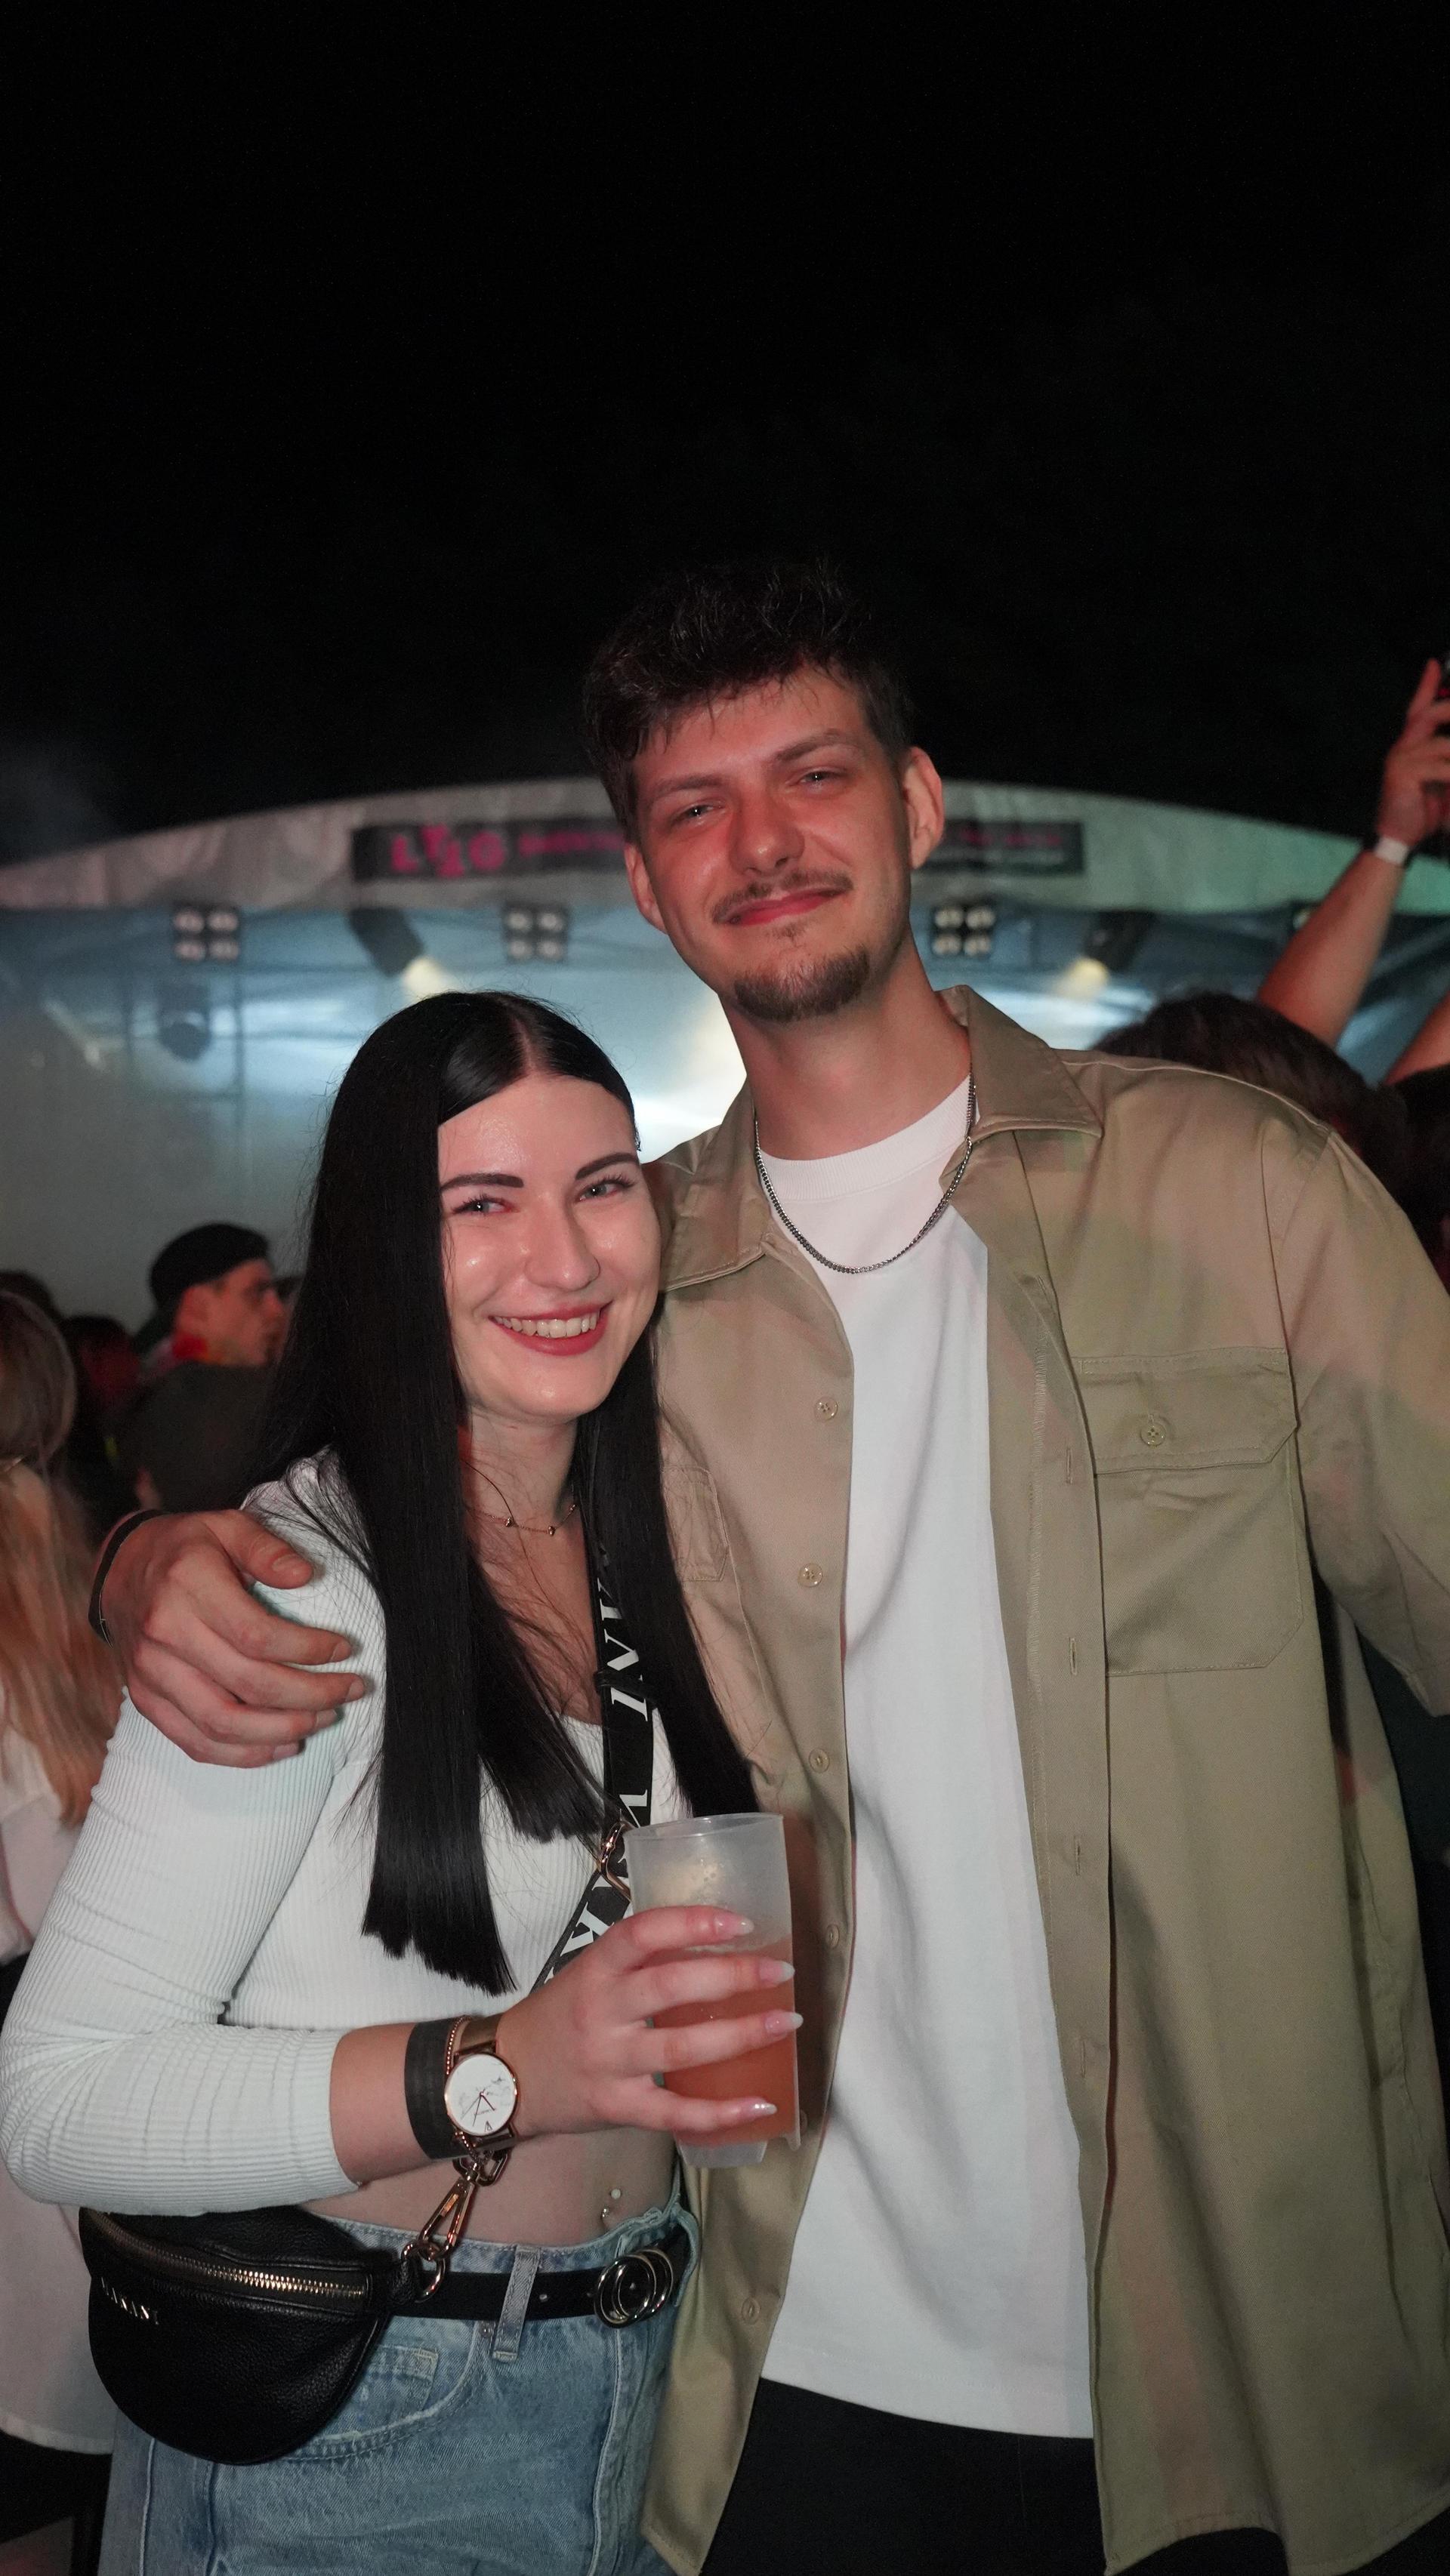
(171, 2045)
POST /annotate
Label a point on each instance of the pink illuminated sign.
(1010, 849)
(443, 853)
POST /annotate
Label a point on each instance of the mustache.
(799, 881)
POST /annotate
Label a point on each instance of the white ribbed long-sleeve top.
(171, 2044)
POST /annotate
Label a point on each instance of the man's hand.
(1415, 788)
(213, 1668)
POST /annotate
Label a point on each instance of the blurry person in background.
(59, 1693)
(24, 1283)
(107, 1368)
(108, 1375)
(217, 1328)
(216, 1301)
(1426, 1101)
(1319, 978)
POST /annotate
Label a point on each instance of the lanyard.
(628, 1723)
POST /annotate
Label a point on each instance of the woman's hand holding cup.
(583, 2049)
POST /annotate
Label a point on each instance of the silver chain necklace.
(859, 1269)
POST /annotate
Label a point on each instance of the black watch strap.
(95, 1615)
(425, 2071)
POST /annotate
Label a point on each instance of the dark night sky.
(348, 402)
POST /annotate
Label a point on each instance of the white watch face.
(480, 2095)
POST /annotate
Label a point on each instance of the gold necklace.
(530, 1529)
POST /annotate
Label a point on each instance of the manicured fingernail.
(758, 2111)
(774, 1972)
(356, 1690)
(778, 2023)
(731, 1924)
(284, 1752)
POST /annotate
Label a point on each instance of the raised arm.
(1319, 977)
(226, 1678)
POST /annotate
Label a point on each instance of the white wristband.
(1386, 847)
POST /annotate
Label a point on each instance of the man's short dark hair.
(711, 631)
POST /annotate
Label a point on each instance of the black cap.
(207, 1252)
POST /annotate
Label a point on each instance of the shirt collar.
(722, 1219)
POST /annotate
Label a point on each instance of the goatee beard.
(809, 991)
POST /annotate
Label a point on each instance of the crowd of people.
(1026, 1473)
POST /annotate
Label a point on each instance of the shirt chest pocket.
(1198, 1508)
(697, 1529)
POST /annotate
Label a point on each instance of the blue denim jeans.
(464, 2450)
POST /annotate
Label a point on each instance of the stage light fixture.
(387, 937)
(963, 929)
(536, 931)
(206, 934)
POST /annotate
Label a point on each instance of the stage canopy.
(465, 845)
(176, 1010)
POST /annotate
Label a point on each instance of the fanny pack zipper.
(185, 2267)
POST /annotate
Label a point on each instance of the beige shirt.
(1214, 1344)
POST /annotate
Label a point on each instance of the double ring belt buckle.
(634, 2287)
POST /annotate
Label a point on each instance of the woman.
(58, 1697)
(464, 1411)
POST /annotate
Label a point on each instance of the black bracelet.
(95, 1615)
(425, 2067)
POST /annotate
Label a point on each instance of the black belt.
(631, 2288)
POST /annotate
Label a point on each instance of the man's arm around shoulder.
(217, 1671)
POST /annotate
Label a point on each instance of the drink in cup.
(736, 1863)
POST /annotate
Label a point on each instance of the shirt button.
(809, 1574)
(750, 2310)
(833, 1936)
(818, 1760)
(1153, 1433)
(827, 1409)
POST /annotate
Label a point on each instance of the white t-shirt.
(939, 2269)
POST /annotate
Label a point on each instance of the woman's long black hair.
(368, 1374)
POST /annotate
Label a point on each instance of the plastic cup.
(738, 1864)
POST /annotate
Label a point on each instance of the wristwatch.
(461, 2096)
(480, 2088)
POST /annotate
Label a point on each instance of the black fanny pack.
(238, 2336)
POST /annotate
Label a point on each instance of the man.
(1006, 1393)
(217, 1328)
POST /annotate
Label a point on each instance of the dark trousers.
(825, 2489)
